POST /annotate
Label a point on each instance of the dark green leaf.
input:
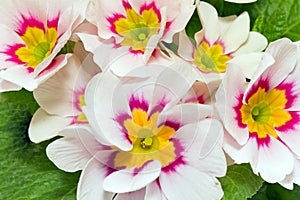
(240, 182)
(26, 173)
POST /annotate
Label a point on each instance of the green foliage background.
(26, 173)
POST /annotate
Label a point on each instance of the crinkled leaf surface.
(240, 182)
(273, 18)
(26, 172)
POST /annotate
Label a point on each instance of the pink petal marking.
(30, 21)
(290, 125)
(179, 161)
(237, 109)
(153, 6)
(136, 102)
(112, 20)
(289, 94)
(11, 52)
(53, 23)
(262, 83)
(120, 119)
(261, 142)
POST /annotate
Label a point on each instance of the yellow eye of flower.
(38, 45)
(137, 29)
(210, 59)
(265, 111)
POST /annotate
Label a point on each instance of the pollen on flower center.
(210, 58)
(146, 143)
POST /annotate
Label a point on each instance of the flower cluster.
(142, 109)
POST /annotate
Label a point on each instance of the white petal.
(189, 183)
(275, 161)
(247, 62)
(128, 180)
(90, 186)
(136, 195)
(186, 113)
(291, 138)
(228, 97)
(90, 42)
(8, 86)
(241, 154)
(292, 178)
(44, 126)
(19, 76)
(57, 93)
(285, 54)
(172, 91)
(266, 62)
(185, 47)
(202, 142)
(256, 42)
(104, 102)
(209, 20)
(237, 33)
(72, 152)
(154, 192)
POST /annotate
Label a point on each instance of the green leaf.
(26, 173)
(277, 192)
(193, 26)
(240, 182)
(274, 19)
(68, 48)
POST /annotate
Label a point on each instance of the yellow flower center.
(210, 59)
(81, 117)
(265, 111)
(38, 45)
(137, 29)
(149, 142)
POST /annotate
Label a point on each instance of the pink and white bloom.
(32, 34)
(222, 40)
(145, 144)
(139, 25)
(61, 99)
(262, 117)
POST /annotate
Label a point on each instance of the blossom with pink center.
(262, 117)
(222, 40)
(139, 25)
(144, 143)
(61, 99)
(32, 34)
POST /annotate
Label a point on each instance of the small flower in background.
(140, 25)
(61, 99)
(222, 40)
(33, 33)
(262, 118)
(143, 143)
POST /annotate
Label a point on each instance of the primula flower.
(61, 99)
(222, 41)
(263, 116)
(152, 147)
(32, 34)
(140, 25)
